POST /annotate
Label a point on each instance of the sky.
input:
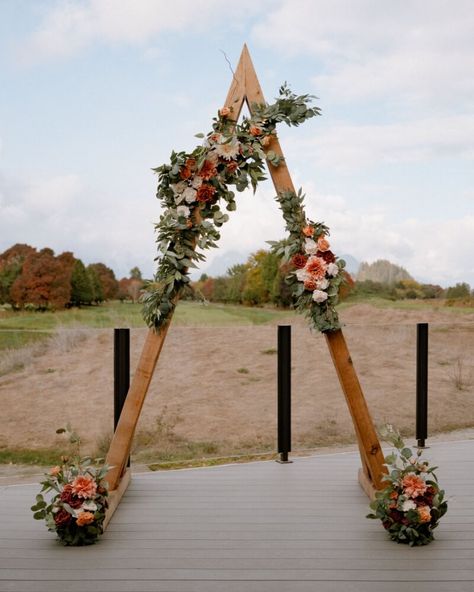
(95, 93)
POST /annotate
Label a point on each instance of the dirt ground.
(219, 384)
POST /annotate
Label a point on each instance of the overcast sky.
(95, 93)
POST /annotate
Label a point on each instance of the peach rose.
(84, 487)
(54, 472)
(424, 514)
(323, 244)
(316, 267)
(310, 284)
(224, 112)
(85, 518)
(255, 131)
(308, 231)
(394, 495)
(413, 485)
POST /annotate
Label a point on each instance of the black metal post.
(121, 372)
(421, 383)
(284, 392)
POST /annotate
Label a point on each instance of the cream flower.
(322, 284)
(196, 182)
(319, 296)
(189, 194)
(302, 275)
(228, 150)
(310, 246)
(332, 269)
(90, 506)
(183, 211)
(178, 188)
(408, 505)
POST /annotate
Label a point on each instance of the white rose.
(183, 211)
(197, 182)
(310, 246)
(178, 188)
(189, 194)
(302, 275)
(319, 296)
(408, 505)
(90, 506)
(322, 284)
(332, 269)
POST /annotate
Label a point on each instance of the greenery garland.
(191, 189)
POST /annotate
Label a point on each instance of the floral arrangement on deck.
(412, 504)
(193, 187)
(76, 511)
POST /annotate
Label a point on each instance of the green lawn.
(20, 328)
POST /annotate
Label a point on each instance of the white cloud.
(406, 52)
(350, 145)
(419, 246)
(70, 27)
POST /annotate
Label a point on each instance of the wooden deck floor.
(261, 527)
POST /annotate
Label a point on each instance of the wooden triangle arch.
(245, 87)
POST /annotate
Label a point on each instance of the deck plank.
(258, 527)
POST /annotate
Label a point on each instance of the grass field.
(228, 386)
(20, 328)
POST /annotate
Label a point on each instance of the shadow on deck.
(260, 527)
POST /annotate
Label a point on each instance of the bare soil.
(218, 385)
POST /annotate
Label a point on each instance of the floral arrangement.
(193, 187)
(76, 511)
(412, 503)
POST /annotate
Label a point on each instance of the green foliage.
(193, 186)
(460, 290)
(82, 290)
(411, 504)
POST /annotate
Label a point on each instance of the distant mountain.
(352, 264)
(382, 271)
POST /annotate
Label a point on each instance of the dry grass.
(214, 391)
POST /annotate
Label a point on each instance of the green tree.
(135, 274)
(82, 291)
(97, 290)
(460, 290)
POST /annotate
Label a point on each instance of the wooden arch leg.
(370, 476)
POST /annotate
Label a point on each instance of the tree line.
(261, 280)
(40, 280)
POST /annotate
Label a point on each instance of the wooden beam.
(116, 495)
(122, 440)
(369, 446)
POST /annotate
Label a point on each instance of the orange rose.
(255, 131)
(185, 173)
(394, 495)
(424, 513)
(54, 472)
(323, 244)
(224, 112)
(208, 170)
(413, 485)
(85, 518)
(84, 487)
(308, 231)
(190, 163)
(316, 267)
(310, 284)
